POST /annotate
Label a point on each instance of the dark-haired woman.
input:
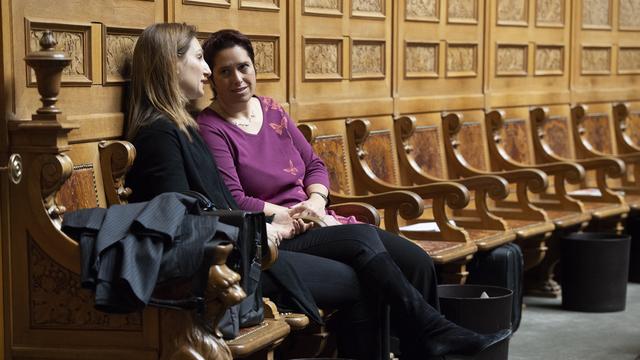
(169, 70)
(268, 166)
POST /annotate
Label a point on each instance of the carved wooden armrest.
(406, 204)
(116, 158)
(362, 212)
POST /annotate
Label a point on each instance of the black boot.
(437, 335)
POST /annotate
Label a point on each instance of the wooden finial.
(48, 64)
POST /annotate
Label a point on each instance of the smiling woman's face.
(234, 76)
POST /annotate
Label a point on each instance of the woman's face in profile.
(234, 76)
(193, 71)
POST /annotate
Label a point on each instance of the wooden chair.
(449, 245)
(552, 127)
(511, 148)
(465, 156)
(373, 162)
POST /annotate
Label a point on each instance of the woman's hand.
(314, 206)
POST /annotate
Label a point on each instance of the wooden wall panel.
(606, 63)
(526, 52)
(438, 47)
(340, 51)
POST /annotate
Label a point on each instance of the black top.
(167, 161)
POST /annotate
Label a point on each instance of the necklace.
(243, 122)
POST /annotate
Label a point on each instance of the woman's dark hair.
(222, 40)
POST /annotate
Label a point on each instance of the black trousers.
(355, 246)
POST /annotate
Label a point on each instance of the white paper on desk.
(590, 192)
(425, 226)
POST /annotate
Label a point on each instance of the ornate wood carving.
(511, 60)
(267, 56)
(322, 7)
(550, 13)
(596, 14)
(633, 127)
(57, 301)
(73, 40)
(629, 60)
(513, 12)
(462, 60)
(469, 146)
(79, 191)
(556, 133)
(368, 59)
(462, 11)
(117, 45)
(426, 150)
(263, 5)
(368, 8)
(514, 140)
(629, 18)
(596, 60)
(422, 10)
(213, 3)
(322, 59)
(421, 59)
(596, 131)
(379, 150)
(331, 149)
(549, 60)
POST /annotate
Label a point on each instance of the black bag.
(502, 266)
(245, 259)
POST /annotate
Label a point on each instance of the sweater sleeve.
(223, 153)
(159, 166)
(315, 171)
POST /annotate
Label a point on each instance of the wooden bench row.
(480, 178)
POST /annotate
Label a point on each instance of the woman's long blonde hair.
(155, 90)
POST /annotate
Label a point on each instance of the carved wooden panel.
(322, 7)
(514, 140)
(264, 5)
(56, 300)
(596, 14)
(462, 11)
(633, 127)
(596, 60)
(550, 13)
(368, 8)
(470, 139)
(331, 149)
(629, 18)
(421, 59)
(597, 132)
(79, 191)
(549, 60)
(214, 3)
(267, 56)
(462, 60)
(556, 134)
(513, 12)
(74, 40)
(511, 59)
(368, 59)
(117, 45)
(322, 59)
(422, 10)
(426, 150)
(629, 60)
(379, 150)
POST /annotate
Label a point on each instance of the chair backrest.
(465, 142)
(593, 130)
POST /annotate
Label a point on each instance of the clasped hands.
(289, 222)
